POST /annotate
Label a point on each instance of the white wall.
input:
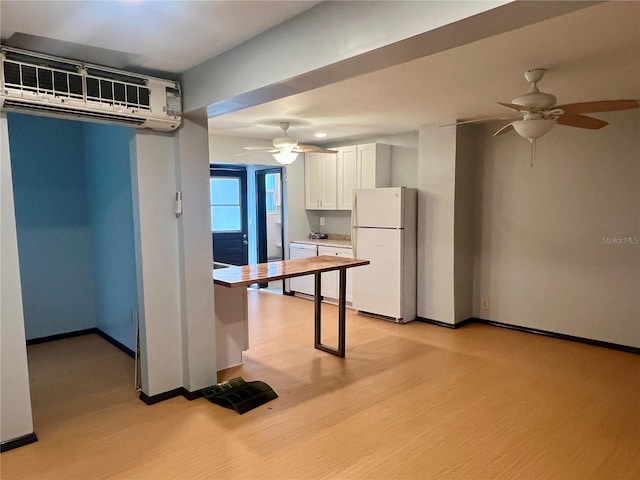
(158, 263)
(194, 235)
(436, 203)
(464, 223)
(15, 399)
(544, 258)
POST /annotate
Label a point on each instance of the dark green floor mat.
(239, 395)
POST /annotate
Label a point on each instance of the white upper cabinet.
(373, 165)
(362, 166)
(331, 178)
(320, 181)
(347, 160)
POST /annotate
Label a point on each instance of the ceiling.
(164, 36)
(590, 54)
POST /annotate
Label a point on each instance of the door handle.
(244, 242)
(244, 235)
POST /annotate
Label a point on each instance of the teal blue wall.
(52, 219)
(74, 219)
(108, 171)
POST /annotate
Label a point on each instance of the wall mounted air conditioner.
(41, 84)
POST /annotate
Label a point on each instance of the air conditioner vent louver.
(60, 87)
(72, 112)
(11, 73)
(98, 73)
(30, 58)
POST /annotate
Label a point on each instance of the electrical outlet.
(485, 304)
(322, 221)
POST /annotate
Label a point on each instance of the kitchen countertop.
(326, 242)
(241, 276)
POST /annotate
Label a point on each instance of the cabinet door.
(306, 283)
(314, 177)
(320, 181)
(366, 166)
(347, 178)
(346, 253)
(331, 280)
(330, 182)
(374, 165)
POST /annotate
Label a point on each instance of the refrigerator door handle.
(353, 224)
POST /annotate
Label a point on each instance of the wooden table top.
(263, 272)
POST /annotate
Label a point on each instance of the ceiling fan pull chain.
(533, 150)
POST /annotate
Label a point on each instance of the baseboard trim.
(18, 442)
(116, 343)
(535, 331)
(191, 395)
(444, 324)
(560, 336)
(176, 392)
(289, 294)
(161, 397)
(79, 333)
(62, 336)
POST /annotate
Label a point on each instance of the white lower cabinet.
(305, 284)
(331, 280)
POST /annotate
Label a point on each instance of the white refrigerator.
(384, 231)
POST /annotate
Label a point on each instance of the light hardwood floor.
(410, 401)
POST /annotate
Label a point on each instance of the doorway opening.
(270, 230)
(247, 215)
(74, 214)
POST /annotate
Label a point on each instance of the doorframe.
(261, 215)
(217, 169)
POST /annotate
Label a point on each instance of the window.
(272, 191)
(226, 209)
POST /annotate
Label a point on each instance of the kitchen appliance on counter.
(384, 231)
(318, 236)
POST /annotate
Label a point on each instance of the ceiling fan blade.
(581, 121)
(520, 108)
(311, 148)
(599, 106)
(506, 129)
(262, 149)
(479, 120)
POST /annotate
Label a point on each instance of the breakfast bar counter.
(243, 276)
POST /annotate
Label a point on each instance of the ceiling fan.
(286, 149)
(538, 112)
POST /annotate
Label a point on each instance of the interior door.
(229, 228)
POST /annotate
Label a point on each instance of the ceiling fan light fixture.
(285, 156)
(533, 128)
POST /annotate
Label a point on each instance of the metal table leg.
(340, 351)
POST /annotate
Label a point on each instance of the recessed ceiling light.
(321, 135)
